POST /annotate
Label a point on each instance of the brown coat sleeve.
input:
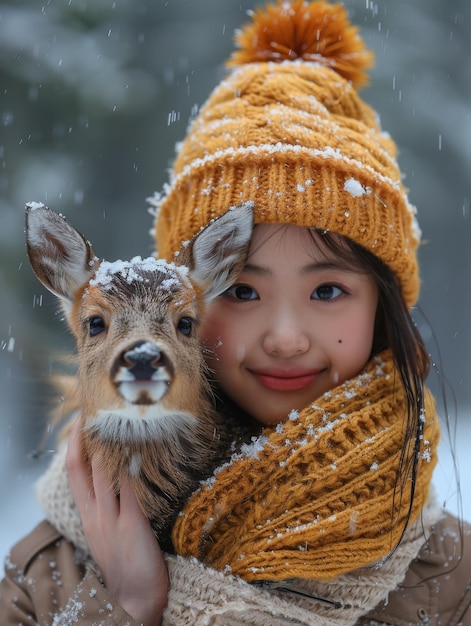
(437, 587)
(46, 582)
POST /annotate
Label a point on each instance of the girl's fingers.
(88, 483)
(118, 535)
(130, 509)
(127, 496)
(106, 498)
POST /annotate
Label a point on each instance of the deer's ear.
(61, 258)
(219, 251)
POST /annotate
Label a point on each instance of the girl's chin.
(276, 414)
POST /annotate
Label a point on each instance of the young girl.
(326, 516)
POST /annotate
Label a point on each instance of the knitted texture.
(288, 131)
(202, 595)
(320, 495)
(55, 499)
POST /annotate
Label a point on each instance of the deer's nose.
(143, 359)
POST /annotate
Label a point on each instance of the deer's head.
(135, 322)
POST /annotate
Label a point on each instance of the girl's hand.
(119, 537)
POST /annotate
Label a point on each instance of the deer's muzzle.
(143, 373)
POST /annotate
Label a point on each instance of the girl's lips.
(285, 381)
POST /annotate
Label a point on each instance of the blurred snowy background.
(94, 94)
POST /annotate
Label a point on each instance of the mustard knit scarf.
(319, 495)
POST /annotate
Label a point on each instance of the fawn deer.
(142, 391)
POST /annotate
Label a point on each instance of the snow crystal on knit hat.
(287, 131)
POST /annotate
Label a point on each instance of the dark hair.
(394, 329)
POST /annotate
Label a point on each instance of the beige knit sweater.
(203, 596)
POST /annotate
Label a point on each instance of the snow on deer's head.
(135, 321)
(143, 397)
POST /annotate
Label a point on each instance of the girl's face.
(297, 323)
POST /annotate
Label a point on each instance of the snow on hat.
(288, 132)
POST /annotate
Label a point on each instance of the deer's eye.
(96, 325)
(185, 325)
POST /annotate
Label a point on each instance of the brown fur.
(164, 434)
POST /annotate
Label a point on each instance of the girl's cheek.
(240, 352)
(213, 343)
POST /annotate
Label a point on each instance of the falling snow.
(21, 512)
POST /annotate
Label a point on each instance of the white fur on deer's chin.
(138, 424)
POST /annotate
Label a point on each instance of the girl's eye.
(96, 325)
(327, 292)
(242, 292)
(185, 326)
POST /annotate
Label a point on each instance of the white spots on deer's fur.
(355, 188)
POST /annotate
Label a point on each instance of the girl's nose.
(285, 337)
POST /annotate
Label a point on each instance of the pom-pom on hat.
(288, 132)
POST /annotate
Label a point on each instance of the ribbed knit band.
(295, 139)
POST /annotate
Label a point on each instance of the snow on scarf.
(317, 496)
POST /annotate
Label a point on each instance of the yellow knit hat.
(288, 132)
